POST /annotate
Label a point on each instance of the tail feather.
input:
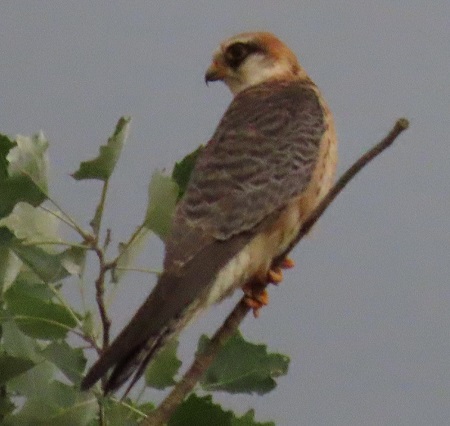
(135, 364)
(136, 341)
(173, 302)
(145, 357)
(125, 369)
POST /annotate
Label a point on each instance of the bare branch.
(204, 359)
(99, 296)
(400, 126)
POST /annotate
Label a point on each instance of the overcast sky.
(365, 315)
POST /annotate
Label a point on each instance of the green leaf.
(30, 283)
(18, 344)
(11, 366)
(10, 266)
(248, 419)
(6, 144)
(128, 254)
(33, 412)
(201, 411)
(6, 406)
(102, 166)
(70, 361)
(50, 267)
(30, 224)
(23, 171)
(162, 193)
(73, 260)
(182, 170)
(120, 415)
(57, 405)
(33, 382)
(87, 325)
(160, 373)
(165, 191)
(41, 319)
(30, 157)
(243, 367)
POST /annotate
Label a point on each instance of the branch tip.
(403, 123)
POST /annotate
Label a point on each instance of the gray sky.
(365, 315)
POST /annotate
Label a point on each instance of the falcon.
(269, 163)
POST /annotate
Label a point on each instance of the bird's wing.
(261, 156)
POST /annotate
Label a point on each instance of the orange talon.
(255, 300)
(275, 275)
(263, 298)
(287, 263)
(256, 312)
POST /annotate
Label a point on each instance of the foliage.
(201, 411)
(243, 367)
(43, 338)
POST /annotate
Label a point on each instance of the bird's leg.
(275, 275)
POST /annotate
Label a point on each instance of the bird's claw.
(256, 301)
(255, 296)
(287, 263)
(275, 275)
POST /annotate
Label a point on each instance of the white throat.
(256, 69)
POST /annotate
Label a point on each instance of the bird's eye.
(236, 53)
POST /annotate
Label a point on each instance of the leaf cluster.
(45, 339)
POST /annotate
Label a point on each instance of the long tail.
(135, 364)
(172, 303)
(134, 346)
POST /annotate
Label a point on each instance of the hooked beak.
(215, 72)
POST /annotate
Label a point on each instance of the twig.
(204, 359)
(127, 245)
(65, 218)
(88, 339)
(96, 222)
(99, 296)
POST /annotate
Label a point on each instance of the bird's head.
(251, 58)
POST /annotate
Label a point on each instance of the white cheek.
(256, 69)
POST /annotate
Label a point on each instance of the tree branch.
(99, 295)
(204, 359)
(400, 126)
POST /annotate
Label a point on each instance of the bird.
(270, 161)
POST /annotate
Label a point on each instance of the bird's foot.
(275, 275)
(255, 297)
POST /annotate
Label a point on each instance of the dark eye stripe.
(238, 52)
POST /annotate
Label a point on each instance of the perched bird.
(270, 161)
